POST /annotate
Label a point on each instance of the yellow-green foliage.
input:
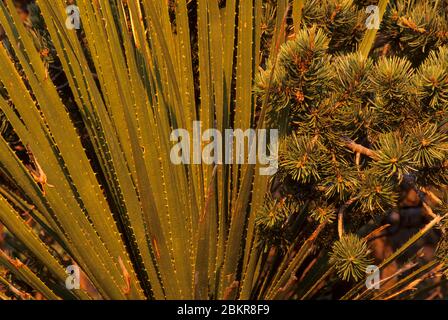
(187, 226)
(137, 225)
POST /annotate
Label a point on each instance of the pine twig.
(357, 148)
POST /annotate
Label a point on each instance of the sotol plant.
(91, 182)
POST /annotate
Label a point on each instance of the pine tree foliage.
(359, 129)
(350, 257)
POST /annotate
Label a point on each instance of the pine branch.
(360, 149)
